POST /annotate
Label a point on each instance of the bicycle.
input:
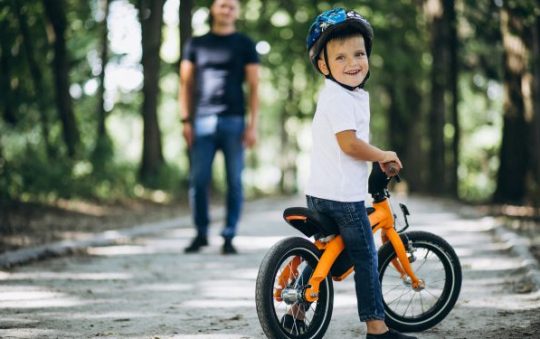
(420, 273)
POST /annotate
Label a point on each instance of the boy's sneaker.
(196, 244)
(294, 326)
(228, 247)
(391, 334)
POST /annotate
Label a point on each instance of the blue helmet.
(330, 20)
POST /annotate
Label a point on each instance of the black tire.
(271, 311)
(436, 263)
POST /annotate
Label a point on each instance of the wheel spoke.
(399, 297)
(421, 302)
(431, 282)
(433, 295)
(287, 267)
(417, 309)
(419, 268)
(409, 304)
(398, 285)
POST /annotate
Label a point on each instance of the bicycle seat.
(310, 222)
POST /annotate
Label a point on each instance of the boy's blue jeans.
(213, 133)
(355, 229)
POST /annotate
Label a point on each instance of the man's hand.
(187, 132)
(250, 137)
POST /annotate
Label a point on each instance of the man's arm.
(252, 79)
(361, 150)
(187, 75)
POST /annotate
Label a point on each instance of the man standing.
(212, 108)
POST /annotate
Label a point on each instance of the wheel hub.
(419, 286)
(291, 295)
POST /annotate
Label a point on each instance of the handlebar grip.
(392, 169)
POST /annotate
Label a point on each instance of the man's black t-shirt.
(220, 61)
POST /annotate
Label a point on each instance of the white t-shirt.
(335, 175)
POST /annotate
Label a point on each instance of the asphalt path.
(144, 286)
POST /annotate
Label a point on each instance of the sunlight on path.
(147, 287)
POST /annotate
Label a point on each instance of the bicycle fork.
(383, 219)
(402, 264)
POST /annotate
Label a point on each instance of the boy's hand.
(390, 163)
(390, 168)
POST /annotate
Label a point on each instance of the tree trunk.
(514, 153)
(450, 13)
(102, 133)
(288, 146)
(403, 128)
(437, 168)
(37, 76)
(57, 18)
(398, 123)
(535, 124)
(151, 17)
(103, 147)
(5, 196)
(186, 7)
(6, 92)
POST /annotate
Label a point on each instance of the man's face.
(225, 12)
(347, 59)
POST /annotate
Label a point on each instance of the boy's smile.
(347, 59)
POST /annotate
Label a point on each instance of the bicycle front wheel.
(435, 262)
(283, 276)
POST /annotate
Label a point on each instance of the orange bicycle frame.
(381, 219)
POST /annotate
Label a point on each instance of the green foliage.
(481, 125)
(107, 168)
(40, 178)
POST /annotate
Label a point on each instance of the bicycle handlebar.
(392, 170)
(379, 179)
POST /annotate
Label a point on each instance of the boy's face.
(347, 59)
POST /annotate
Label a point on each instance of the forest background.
(89, 107)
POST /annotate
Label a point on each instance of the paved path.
(145, 287)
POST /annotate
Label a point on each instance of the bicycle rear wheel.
(297, 257)
(435, 262)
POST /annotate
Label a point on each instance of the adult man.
(212, 109)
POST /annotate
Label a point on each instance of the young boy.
(339, 44)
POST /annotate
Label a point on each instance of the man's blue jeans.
(355, 229)
(211, 134)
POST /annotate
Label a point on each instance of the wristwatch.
(185, 120)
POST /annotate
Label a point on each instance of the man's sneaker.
(196, 244)
(228, 247)
(391, 334)
(293, 326)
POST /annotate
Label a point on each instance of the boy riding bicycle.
(339, 44)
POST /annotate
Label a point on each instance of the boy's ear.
(322, 66)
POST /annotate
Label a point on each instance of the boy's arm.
(361, 150)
